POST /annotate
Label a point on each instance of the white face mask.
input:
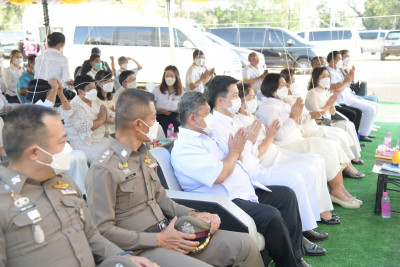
(325, 83)
(132, 85)
(282, 93)
(339, 64)
(346, 61)
(91, 95)
(18, 61)
(60, 161)
(209, 120)
(236, 104)
(251, 106)
(152, 134)
(200, 61)
(170, 81)
(124, 66)
(293, 88)
(108, 87)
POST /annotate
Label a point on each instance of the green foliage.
(11, 17)
(381, 8)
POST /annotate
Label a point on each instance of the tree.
(11, 17)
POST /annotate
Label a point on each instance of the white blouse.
(79, 125)
(166, 101)
(11, 77)
(316, 98)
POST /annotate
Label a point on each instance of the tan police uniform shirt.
(46, 226)
(125, 196)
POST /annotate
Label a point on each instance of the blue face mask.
(98, 66)
(33, 71)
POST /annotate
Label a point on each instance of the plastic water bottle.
(385, 206)
(388, 140)
(170, 131)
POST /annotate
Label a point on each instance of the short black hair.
(96, 50)
(82, 81)
(101, 76)
(55, 38)
(93, 57)
(37, 90)
(270, 84)
(197, 52)
(124, 75)
(132, 104)
(244, 89)
(344, 51)
(332, 55)
(219, 88)
(190, 103)
(24, 126)
(31, 59)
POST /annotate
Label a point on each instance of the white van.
(122, 33)
(330, 39)
(372, 41)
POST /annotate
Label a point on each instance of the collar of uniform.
(184, 132)
(218, 116)
(10, 177)
(53, 50)
(118, 148)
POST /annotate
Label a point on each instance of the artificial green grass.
(364, 239)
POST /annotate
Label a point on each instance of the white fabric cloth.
(276, 155)
(3, 103)
(51, 64)
(193, 75)
(250, 72)
(290, 137)
(369, 109)
(79, 125)
(300, 179)
(197, 162)
(166, 101)
(116, 80)
(316, 98)
(11, 77)
(110, 104)
(79, 169)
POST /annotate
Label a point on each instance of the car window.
(382, 34)
(301, 34)
(179, 37)
(137, 36)
(229, 35)
(278, 38)
(250, 37)
(393, 36)
(330, 35)
(368, 35)
(94, 35)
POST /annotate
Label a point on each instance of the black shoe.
(302, 263)
(334, 216)
(365, 138)
(372, 136)
(359, 162)
(362, 145)
(312, 249)
(334, 220)
(358, 175)
(315, 236)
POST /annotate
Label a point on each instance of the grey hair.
(190, 103)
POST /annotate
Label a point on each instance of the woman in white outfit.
(270, 154)
(289, 136)
(105, 87)
(86, 128)
(317, 100)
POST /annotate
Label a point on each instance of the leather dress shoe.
(372, 136)
(358, 175)
(359, 162)
(362, 145)
(302, 263)
(345, 204)
(357, 200)
(312, 249)
(335, 216)
(315, 236)
(332, 221)
(365, 138)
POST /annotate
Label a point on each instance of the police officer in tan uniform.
(44, 220)
(130, 206)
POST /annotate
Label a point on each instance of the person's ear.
(191, 119)
(32, 153)
(136, 124)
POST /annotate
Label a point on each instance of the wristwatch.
(126, 252)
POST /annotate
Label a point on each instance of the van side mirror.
(188, 44)
(290, 42)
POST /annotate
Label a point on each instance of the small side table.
(384, 178)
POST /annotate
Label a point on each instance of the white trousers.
(350, 129)
(369, 112)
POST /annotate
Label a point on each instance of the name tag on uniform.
(68, 192)
(28, 207)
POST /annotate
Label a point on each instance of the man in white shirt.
(202, 166)
(342, 84)
(197, 75)
(123, 66)
(254, 74)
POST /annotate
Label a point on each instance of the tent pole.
(170, 4)
(46, 17)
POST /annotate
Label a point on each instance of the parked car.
(391, 45)
(10, 40)
(330, 39)
(371, 41)
(281, 48)
(243, 53)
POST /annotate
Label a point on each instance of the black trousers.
(353, 114)
(277, 217)
(12, 99)
(165, 120)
